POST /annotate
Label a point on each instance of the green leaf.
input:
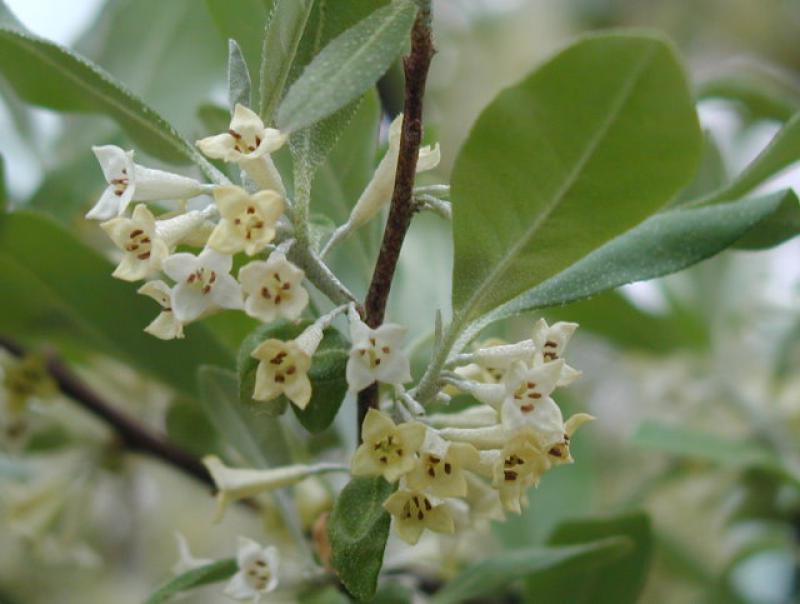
(257, 437)
(326, 595)
(239, 87)
(358, 529)
(55, 287)
(594, 141)
(782, 151)
(188, 427)
(663, 244)
(284, 30)
(49, 75)
(327, 375)
(243, 21)
(492, 576)
(347, 67)
(205, 575)
(620, 582)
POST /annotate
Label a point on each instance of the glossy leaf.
(285, 28)
(239, 86)
(257, 437)
(56, 288)
(49, 75)
(494, 575)
(347, 67)
(620, 582)
(594, 141)
(663, 244)
(205, 575)
(358, 528)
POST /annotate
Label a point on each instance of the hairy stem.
(133, 435)
(402, 208)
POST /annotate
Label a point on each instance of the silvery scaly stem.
(439, 191)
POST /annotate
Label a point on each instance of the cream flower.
(234, 484)
(283, 367)
(519, 465)
(129, 182)
(376, 355)
(186, 561)
(165, 326)
(143, 250)
(551, 342)
(248, 143)
(559, 452)
(273, 289)
(247, 221)
(528, 402)
(258, 571)
(388, 450)
(203, 283)
(414, 512)
(441, 467)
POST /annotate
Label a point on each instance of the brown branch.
(131, 433)
(416, 66)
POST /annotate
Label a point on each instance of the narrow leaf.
(205, 575)
(492, 576)
(358, 529)
(594, 141)
(52, 76)
(347, 67)
(239, 87)
(285, 28)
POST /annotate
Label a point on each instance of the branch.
(133, 435)
(402, 208)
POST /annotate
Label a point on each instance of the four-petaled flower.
(258, 571)
(441, 467)
(528, 404)
(551, 342)
(283, 369)
(248, 143)
(376, 355)
(143, 250)
(202, 283)
(165, 326)
(519, 465)
(388, 450)
(273, 289)
(129, 182)
(247, 221)
(414, 511)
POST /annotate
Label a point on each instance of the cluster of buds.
(464, 468)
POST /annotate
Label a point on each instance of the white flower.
(258, 571)
(387, 449)
(165, 326)
(441, 467)
(376, 355)
(528, 402)
(249, 144)
(551, 342)
(273, 289)
(247, 221)
(202, 283)
(415, 511)
(186, 561)
(143, 250)
(128, 182)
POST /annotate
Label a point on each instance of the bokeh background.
(693, 377)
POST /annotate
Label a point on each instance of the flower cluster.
(461, 468)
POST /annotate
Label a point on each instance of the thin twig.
(133, 435)
(416, 66)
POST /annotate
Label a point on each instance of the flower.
(375, 355)
(258, 571)
(165, 326)
(559, 452)
(234, 483)
(273, 289)
(528, 402)
(143, 250)
(387, 449)
(441, 467)
(202, 283)
(128, 182)
(496, 357)
(551, 342)
(248, 221)
(283, 367)
(186, 561)
(519, 465)
(414, 512)
(249, 143)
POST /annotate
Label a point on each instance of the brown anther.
(535, 395)
(265, 293)
(237, 221)
(235, 134)
(527, 408)
(136, 233)
(386, 350)
(251, 210)
(555, 452)
(420, 515)
(146, 240)
(383, 459)
(118, 193)
(144, 256)
(280, 378)
(399, 452)
(428, 505)
(291, 370)
(206, 289)
(278, 299)
(510, 475)
(448, 468)
(286, 286)
(258, 141)
(431, 472)
(192, 278)
(550, 344)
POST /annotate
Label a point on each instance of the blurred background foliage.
(693, 377)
